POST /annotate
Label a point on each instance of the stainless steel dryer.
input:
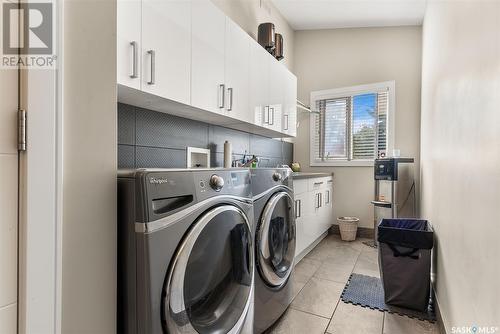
(185, 251)
(274, 244)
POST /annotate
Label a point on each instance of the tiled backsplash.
(148, 138)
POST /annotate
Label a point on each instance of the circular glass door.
(276, 240)
(209, 283)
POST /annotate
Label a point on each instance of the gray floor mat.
(367, 291)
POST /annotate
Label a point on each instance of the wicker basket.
(348, 227)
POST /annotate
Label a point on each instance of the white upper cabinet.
(237, 67)
(189, 52)
(259, 83)
(208, 90)
(128, 43)
(166, 49)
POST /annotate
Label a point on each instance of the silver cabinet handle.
(266, 115)
(298, 208)
(134, 60)
(152, 54)
(286, 122)
(327, 197)
(320, 199)
(317, 201)
(318, 183)
(271, 119)
(230, 98)
(222, 89)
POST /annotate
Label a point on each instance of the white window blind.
(351, 128)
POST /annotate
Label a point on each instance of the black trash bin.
(405, 261)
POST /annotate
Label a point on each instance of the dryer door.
(210, 279)
(276, 240)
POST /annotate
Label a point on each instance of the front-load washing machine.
(274, 244)
(185, 251)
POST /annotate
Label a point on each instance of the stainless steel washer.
(275, 236)
(185, 251)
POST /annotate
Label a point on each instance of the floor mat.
(367, 291)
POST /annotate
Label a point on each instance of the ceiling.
(329, 14)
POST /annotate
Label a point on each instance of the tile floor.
(318, 283)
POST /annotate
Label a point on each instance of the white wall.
(248, 14)
(346, 57)
(460, 153)
(89, 167)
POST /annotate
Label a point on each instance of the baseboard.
(439, 315)
(363, 232)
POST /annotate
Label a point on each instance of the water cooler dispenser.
(394, 195)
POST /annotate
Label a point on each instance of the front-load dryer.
(185, 251)
(275, 236)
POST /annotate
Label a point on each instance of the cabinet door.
(301, 219)
(207, 65)
(327, 217)
(237, 66)
(259, 83)
(289, 125)
(128, 43)
(277, 94)
(166, 45)
(275, 116)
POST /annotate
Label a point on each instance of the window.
(351, 127)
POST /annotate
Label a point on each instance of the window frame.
(389, 86)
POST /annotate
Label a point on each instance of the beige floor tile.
(318, 297)
(343, 255)
(307, 267)
(334, 272)
(354, 319)
(297, 283)
(367, 264)
(297, 322)
(359, 245)
(334, 240)
(396, 324)
(321, 251)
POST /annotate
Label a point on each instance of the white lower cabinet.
(314, 210)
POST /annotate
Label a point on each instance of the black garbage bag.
(405, 261)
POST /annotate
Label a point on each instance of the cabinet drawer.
(300, 186)
(318, 183)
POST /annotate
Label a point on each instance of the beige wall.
(345, 57)
(89, 167)
(248, 14)
(460, 154)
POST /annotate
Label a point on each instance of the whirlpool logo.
(158, 180)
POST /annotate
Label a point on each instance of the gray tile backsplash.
(152, 139)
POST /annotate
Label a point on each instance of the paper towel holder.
(198, 157)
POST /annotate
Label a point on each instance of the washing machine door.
(208, 286)
(276, 240)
